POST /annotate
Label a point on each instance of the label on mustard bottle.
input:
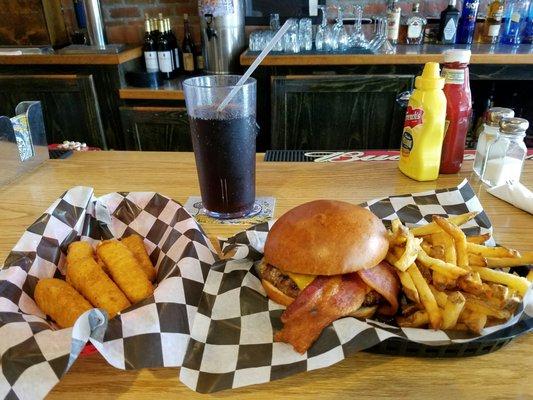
(414, 117)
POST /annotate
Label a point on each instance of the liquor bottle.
(415, 26)
(393, 21)
(514, 16)
(176, 51)
(200, 60)
(164, 52)
(493, 23)
(188, 48)
(448, 24)
(150, 47)
(528, 32)
(467, 22)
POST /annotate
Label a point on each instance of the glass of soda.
(223, 143)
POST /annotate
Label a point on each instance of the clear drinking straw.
(279, 34)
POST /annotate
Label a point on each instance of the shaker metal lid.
(513, 126)
(495, 115)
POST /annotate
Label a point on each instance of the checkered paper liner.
(153, 333)
(231, 341)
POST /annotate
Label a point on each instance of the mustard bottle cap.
(430, 78)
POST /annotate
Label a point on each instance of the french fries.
(491, 251)
(444, 268)
(459, 239)
(415, 320)
(434, 228)
(478, 239)
(426, 297)
(409, 287)
(452, 310)
(444, 240)
(477, 260)
(410, 254)
(449, 280)
(526, 258)
(474, 321)
(478, 305)
(513, 281)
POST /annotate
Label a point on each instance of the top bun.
(326, 237)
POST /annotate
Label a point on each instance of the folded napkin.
(516, 194)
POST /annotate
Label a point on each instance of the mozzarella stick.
(125, 270)
(92, 282)
(60, 301)
(79, 251)
(136, 245)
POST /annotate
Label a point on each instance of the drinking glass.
(305, 33)
(223, 143)
(320, 36)
(331, 42)
(291, 44)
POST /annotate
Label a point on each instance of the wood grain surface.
(161, 93)
(73, 59)
(500, 375)
(405, 54)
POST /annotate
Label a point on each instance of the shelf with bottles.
(461, 22)
(163, 53)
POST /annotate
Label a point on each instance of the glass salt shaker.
(506, 154)
(491, 130)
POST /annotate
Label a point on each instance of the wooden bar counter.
(499, 375)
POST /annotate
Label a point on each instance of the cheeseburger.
(325, 260)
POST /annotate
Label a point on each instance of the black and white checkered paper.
(231, 341)
(34, 354)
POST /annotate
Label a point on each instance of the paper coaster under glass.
(263, 211)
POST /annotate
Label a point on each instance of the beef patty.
(285, 284)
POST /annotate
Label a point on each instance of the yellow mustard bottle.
(424, 127)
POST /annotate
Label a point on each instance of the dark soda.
(224, 149)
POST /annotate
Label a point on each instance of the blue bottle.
(528, 32)
(513, 21)
(467, 22)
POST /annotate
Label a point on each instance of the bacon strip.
(329, 298)
(325, 300)
(383, 280)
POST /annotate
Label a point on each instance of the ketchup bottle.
(458, 109)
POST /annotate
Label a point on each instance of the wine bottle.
(164, 52)
(150, 47)
(448, 24)
(176, 51)
(188, 48)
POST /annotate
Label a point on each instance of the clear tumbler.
(223, 143)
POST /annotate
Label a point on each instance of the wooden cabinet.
(70, 105)
(156, 128)
(337, 112)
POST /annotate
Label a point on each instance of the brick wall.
(124, 18)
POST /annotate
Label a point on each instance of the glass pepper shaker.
(491, 130)
(506, 154)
